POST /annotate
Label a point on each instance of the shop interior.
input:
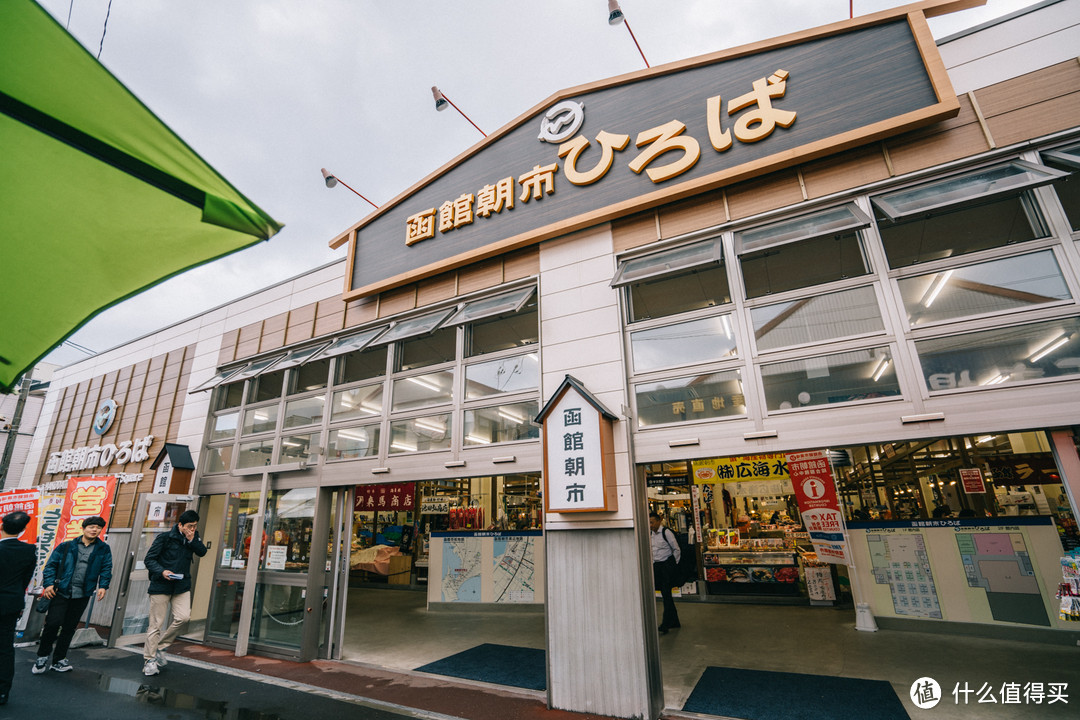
(391, 546)
(749, 540)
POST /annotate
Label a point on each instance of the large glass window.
(298, 448)
(504, 423)
(218, 459)
(353, 442)
(803, 264)
(419, 434)
(439, 347)
(358, 402)
(841, 377)
(308, 377)
(266, 387)
(1002, 356)
(423, 390)
(817, 319)
(693, 290)
(362, 365)
(1068, 188)
(503, 332)
(997, 286)
(224, 427)
(305, 411)
(685, 343)
(803, 251)
(260, 419)
(255, 454)
(697, 397)
(508, 375)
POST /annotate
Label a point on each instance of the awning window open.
(502, 304)
(300, 356)
(1067, 156)
(256, 368)
(221, 377)
(347, 344)
(415, 326)
(989, 183)
(833, 221)
(669, 262)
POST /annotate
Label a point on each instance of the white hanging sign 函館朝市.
(579, 472)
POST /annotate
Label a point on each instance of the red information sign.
(815, 492)
(972, 480)
(86, 497)
(27, 501)
(386, 498)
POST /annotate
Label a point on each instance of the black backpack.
(686, 570)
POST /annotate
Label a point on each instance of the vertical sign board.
(579, 449)
(815, 491)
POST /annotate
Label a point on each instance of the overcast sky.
(269, 91)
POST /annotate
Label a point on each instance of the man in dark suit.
(17, 560)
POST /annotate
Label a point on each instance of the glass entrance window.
(240, 514)
(225, 605)
(290, 518)
(277, 616)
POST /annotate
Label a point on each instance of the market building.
(647, 294)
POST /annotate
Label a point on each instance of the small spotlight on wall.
(615, 15)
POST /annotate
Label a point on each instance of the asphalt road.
(109, 684)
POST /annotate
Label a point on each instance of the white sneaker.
(150, 668)
(160, 659)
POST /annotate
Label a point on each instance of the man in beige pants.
(169, 563)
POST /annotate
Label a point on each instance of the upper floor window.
(1068, 188)
(818, 318)
(808, 250)
(685, 278)
(963, 214)
(503, 322)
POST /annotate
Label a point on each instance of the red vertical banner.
(86, 497)
(815, 491)
(27, 501)
(386, 497)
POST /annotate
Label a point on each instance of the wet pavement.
(109, 684)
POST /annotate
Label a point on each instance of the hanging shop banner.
(50, 507)
(434, 505)
(27, 502)
(1024, 469)
(596, 152)
(972, 480)
(579, 451)
(386, 497)
(765, 466)
(815, 492)
(86, 497)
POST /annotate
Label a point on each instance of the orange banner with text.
(86, 497)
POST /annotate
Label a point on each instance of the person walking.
(17, 561)
(77, 569)
(169, 563)
(665, 557)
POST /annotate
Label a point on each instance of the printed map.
(1000, 564)
(514, 566)
(901, 562)
(461, 570)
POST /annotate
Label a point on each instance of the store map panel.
(1000, 564)
(514, 567)
(901, 562)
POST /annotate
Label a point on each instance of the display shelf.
(748, 572)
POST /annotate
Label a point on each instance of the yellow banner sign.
(741, 468)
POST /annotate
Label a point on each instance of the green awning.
(99, 199)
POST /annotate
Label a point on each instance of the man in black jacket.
(169, 563)
(17, 560)
(76, 569)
